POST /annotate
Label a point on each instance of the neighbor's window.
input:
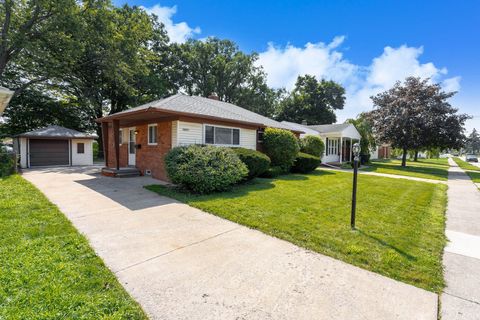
(80, 147)
(152, 134)
(332, 146)
(222, 136)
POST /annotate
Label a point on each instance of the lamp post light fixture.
(356, 154)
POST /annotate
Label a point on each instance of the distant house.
(54, 146)
(338, 139)
(382, 151)
(141, 137)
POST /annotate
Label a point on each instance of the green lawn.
(400, 222)
(47, 269)
(470, 169)
(436, 169)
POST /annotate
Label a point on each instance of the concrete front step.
(121, 173)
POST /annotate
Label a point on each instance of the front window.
(222, 135)
(152, 134)
(332, 146)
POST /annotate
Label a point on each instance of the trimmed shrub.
(281, 146)
(312, 145)
(204, 169)
(7, 163)
(305, 163)
(256, 162)
(273, 172)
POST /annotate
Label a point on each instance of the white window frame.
(156, 135)
(332, 146)
(225, 127)
(120, 136)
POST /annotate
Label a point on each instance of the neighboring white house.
(54, 146)
(5, 96)
(338, 139)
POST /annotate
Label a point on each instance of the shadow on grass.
(437, 172)
(240, 190)
(386, 244)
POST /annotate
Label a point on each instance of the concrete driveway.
(181, 263)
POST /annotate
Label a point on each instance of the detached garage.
(54, 146)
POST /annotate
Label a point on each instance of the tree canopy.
(364, 127)
(313, 101)
(417, 115)
(473, 142)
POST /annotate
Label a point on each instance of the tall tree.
(473, 142)
(218, 66)
(364, 127)
(120, 62)
(417, 115)
(313, 101)
(35, 41)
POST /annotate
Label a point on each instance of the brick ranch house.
(141, 137)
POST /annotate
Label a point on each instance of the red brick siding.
(151, 157)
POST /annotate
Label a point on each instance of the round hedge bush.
(281, 146)
(312, 145)
(305, 163)
(204, 169)
(257, 163)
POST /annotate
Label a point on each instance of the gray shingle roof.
(300, 127)
(56, 132)
(330, 128)
(208, 107)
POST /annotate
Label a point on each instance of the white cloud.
(177, 32)
(451, 84)
(283, 65)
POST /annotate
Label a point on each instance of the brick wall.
(148, 157)
(151, 157)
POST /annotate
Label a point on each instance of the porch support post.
(116, 139)
(105, 142)
(350, 151)
(341, 149)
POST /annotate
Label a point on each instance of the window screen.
(152, 134)
(222, 136)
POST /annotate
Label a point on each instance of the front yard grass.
(436, 169)
(472, 171)
(47, 269)
(400, 223)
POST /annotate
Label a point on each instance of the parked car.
(471, 158)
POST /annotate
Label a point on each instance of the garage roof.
(57, 132)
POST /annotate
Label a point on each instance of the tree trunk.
(415, 157)
(404, 157)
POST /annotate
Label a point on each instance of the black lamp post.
(356, 153)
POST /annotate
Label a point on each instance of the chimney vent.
(213, 96)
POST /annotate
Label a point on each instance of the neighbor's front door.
(131, 147)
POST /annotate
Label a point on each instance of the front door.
(131, 147)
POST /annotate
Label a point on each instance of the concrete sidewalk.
(387, 175)
(461, 259)
(181, 263)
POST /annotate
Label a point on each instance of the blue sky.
(365, 45)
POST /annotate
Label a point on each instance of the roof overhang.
(5, 96)
(158, 114)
